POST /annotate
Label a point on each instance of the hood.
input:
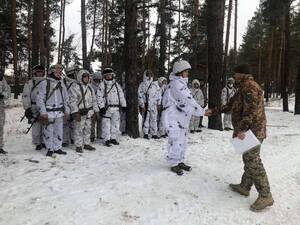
(195, 81)
(80, 74)
(161, 80)
(146, 79)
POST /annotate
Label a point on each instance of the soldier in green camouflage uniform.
(248, 113)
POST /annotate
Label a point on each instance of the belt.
(114, 106)
(60, 109)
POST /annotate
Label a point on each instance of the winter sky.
(246, 11)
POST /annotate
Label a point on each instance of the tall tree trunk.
(235, 31)
(47, 36)
(132, 123)
(35, 34)
(29, 36)
(286, 60)
(194, 38)
(83, 33)
(227, 42)
(163, 39)
(63, 30)
(144, 10)
(215, 29)
(270, 64)
(41, 40)
(297, 92)
(179, 28)
(60, 32)
(14, 45)
(94, 30)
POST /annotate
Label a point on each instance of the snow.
(131, 183)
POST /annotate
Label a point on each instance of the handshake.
(208, 112)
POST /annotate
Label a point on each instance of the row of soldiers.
(80, 107)
(62, 110)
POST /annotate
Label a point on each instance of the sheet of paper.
(242, 146)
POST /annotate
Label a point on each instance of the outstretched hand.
(208, 112)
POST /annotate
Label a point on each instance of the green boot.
(239, 189)
(262, 202)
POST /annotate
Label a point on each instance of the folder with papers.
(249, 142)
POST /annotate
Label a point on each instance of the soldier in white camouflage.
(96, 122)
(4, 95)
(83, 105)
(110, 99)
(68, 130)
(30, 92)
(52, 103)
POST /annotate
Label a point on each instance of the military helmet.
(181, 66)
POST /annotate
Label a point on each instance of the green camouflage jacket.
(247, 108)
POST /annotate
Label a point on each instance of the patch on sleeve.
(249, 98)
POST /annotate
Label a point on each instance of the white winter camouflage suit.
(163, 88)
(69, 126)
(149, 93)
(179, 106)
(55, 106)
(96, 124)
(83, 97)
(5, 94)
(227, 94)
(199, 97)
(110, 96)
(30, 92)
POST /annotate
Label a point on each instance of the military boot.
(38, 147)
(185, 167)
(60, 152)
(177, 170)
(107, 143)
(114, 142)
(239, 189)
(262, 202)
(79, 149)
(2, 151)
(89, 147)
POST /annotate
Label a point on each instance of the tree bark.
(41, 40)
(83, 33)
(94, 31)
(215, 29)
(59, 60)
(227, 42)
(163, 39)
(235, 31)
(132, 123)
(29, 36)
(286, 61)
(297, 92)
(14, 45)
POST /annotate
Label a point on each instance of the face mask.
(109, 82)
(230, 85)
(186, 80)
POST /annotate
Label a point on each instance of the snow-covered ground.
(131, 184)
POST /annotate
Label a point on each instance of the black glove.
(1, 96)
(102, 111)
(28, 114)
(123, 109)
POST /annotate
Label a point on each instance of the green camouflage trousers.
(255, 173)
